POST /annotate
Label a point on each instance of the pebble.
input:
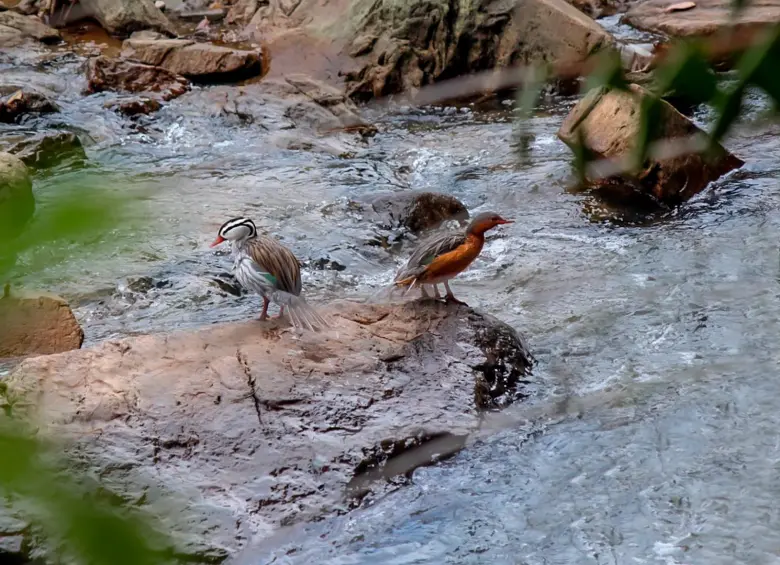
(160, 5)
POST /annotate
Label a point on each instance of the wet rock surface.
(16, 198)
(104, 73)
(15, 106)
(610, 131)
(196, 61)
(37, 324)
(135, 106)
(705, 18)
(45, 149)
(386, 47)
(417, 211)
(16, 29)
(238, 429)
(119, 17)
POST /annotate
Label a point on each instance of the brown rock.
(104, 73)
(706, 18)
(244, 424)
(122, 17)
(610, 131)
(401, 46)
(197, 61)
(416, 210)
(23, 102)
(37, 325)
(16, 199)
(16, 29)
(242, 11)
(134, 106)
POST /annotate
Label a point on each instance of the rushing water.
(662, 336)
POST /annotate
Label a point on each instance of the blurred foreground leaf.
(83, 524)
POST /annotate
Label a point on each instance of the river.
(659, 338)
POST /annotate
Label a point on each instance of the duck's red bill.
(217, 241)
(503, 221)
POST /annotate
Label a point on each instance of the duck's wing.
(428, 250)
(278, 262)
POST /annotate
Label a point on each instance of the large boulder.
(14, 107)
(610, 131)
(238, 429)
(37, 324)
(196, 61)
(388, 46)
(704, 18)
(16, 199)
(16, 29)
(118, 17)
(104, 73)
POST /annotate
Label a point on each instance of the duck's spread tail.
(302, 314)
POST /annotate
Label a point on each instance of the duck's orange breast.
(456, 261)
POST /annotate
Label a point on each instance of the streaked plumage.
(442, 257)
(263, 265)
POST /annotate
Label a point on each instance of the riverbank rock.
(389, 46)
(16, 29)
(134, 106)
(119, 17)
(600, 8)
(705, 18)
(196, 61)
(16, 198)
(415, 210)
(610, 131)
(23, 102)
(237, 429)
(37, 324)
(104, 73)
(45, 149)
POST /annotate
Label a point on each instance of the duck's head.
(237, 229)
(486, 221)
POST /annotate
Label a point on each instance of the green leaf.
(687, 74)
(609, 72)
(650, 120)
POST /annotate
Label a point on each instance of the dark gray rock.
(415, 210)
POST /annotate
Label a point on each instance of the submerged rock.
(244, 424)
(705, 18)
(104, 73)
(43, 149)
(610, 131)
(16, 29)
(16, 199)
(135, 106)
(197, 61)
(24, 102)
(416, 210)
(37, 324)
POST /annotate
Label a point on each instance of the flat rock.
(37, 324)
(237, 429)
(16, 29)
(123, 17)
(196, 61)
(16, 198)
(705, 18)
(44, 149)
(416, 210)
(610, 131)
(15, 106)
(104, 73)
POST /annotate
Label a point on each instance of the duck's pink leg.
(264, 313)
(281, 312)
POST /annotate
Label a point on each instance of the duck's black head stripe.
(234, 223)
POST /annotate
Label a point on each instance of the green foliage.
(84, 524)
